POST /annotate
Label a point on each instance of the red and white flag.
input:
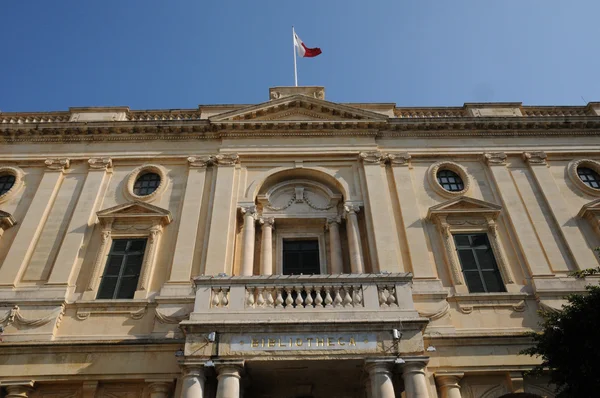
(304, 51)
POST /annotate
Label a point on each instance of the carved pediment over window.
(135, 213)
(464, 208)
(300, 198)
(300, 108)
(6, 221)
(591, 212)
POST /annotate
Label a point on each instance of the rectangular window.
(478, 263)
(301, 257)
(122, 269)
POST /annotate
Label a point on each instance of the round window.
(146, 184)
(450, 181)
(7, 181)
(589, 177)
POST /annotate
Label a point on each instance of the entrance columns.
(249, 213)
(193, 382)
(380, 379)
(228, 378)
(266, 253)
(356, 259)
(448, 384)
(415, 384)
(335, 245)
(18, 389)
(160, 389)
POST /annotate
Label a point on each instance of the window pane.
(113, 266)
(474, 282)
(480, 240)
(301, 257)
(137, 245)
(467, 259)
(119, 245)
(493, 281)
(462, 240)
(486, 259)
(127, 287)
(107, 287)
(133, 265)
(6, 183)
(146, 184)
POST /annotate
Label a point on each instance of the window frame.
(478, 266)
(289, 235)
(572, 172)
(121, 268)
(284, 241)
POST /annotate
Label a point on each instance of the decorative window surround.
(18, 174)
(6, 221)
(133, 176)
(572, 173)
(466, 303)
(129, 220)
(452, 166)
(463, 215)
(591, 212)
(320, 236)
(134, 309)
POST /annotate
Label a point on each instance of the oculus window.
(478, 263)
(122, 269)
(146, 184)
(450, 181)
(589, 177)
(301, 257)
(6, 183)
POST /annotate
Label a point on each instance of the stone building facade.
(293, 248)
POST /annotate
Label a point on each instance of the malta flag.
(304, 51)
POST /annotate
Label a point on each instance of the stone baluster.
(356, 260)
(449, 384)
(249, 213)
(415, 383)
(380, 379)
(266, 254)
(335, 245)
(228, 377)
(193, 382)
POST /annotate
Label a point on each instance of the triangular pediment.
(297, 108)
(135, 209)
(592, 207)
(464, 205)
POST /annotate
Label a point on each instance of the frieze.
(304, 342)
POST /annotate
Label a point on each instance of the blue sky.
(149, 54)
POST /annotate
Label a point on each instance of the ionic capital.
(100, 163)
(351, 209)
(197, 162)
(57, 164)
(535, 158)
(248, 211)
(267, 222)
(333, 220)
(227, 159)
(397, 159)
(18, 389)
(373, 157)
(495, 158)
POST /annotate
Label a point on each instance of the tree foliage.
(569, 344)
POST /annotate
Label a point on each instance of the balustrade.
(308, 297)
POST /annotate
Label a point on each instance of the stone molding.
(100, 163)
(57, 164)
(18, 173)
(397, 159)
(137, 172)
(495, 158)
(199, 162)
(15, 316)
(227, 159)
(134, 309)
(574, 177)
(452, 166)
(535, 158)
(373, 157)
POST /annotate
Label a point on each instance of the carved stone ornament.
(374, 157)
(464, 214)
(172, 319)
(397, 159)
(535, 158)
(574, 177)
(139, 171)
(15, 316)
(132, 311)
(16, 188)
(200, 161)
(57, 164)
(452, 166)
(495, 158)
(267, 222)
(227, 159)
(301, 198)
(351, 209)
(100, 163)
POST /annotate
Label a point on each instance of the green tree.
(569, 344)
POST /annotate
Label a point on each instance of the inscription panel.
(304, 342)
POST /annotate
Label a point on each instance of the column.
(528, 240)
(159, 388)
(266, 255)
(421, 264)
(185, 246)
(380, 379)
(356, 259)
(415, 383)
(193, 382)
(228, 379)
(448, 384)
(335, 245)
(32, 224)
(82, 222)
(384, 248)
(149, 262)
(565, 219)
(219, 251)
(248, 236)
(18, 389)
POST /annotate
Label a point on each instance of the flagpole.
(295, 67)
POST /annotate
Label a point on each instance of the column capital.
(333, 220)
(351, 208)
(160, 386)
(18, 388)
(535, 158)
(495, 158)
(448, 379)
(375, 366)
(104, 164)
(397, 159)
(57, 164)
(231, 368)
(267, 221)
(371, 157)
(414, 366)
(248, 210)
(192, 370)
(198, 162)
(226, 159)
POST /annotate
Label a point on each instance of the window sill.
(466, 303)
